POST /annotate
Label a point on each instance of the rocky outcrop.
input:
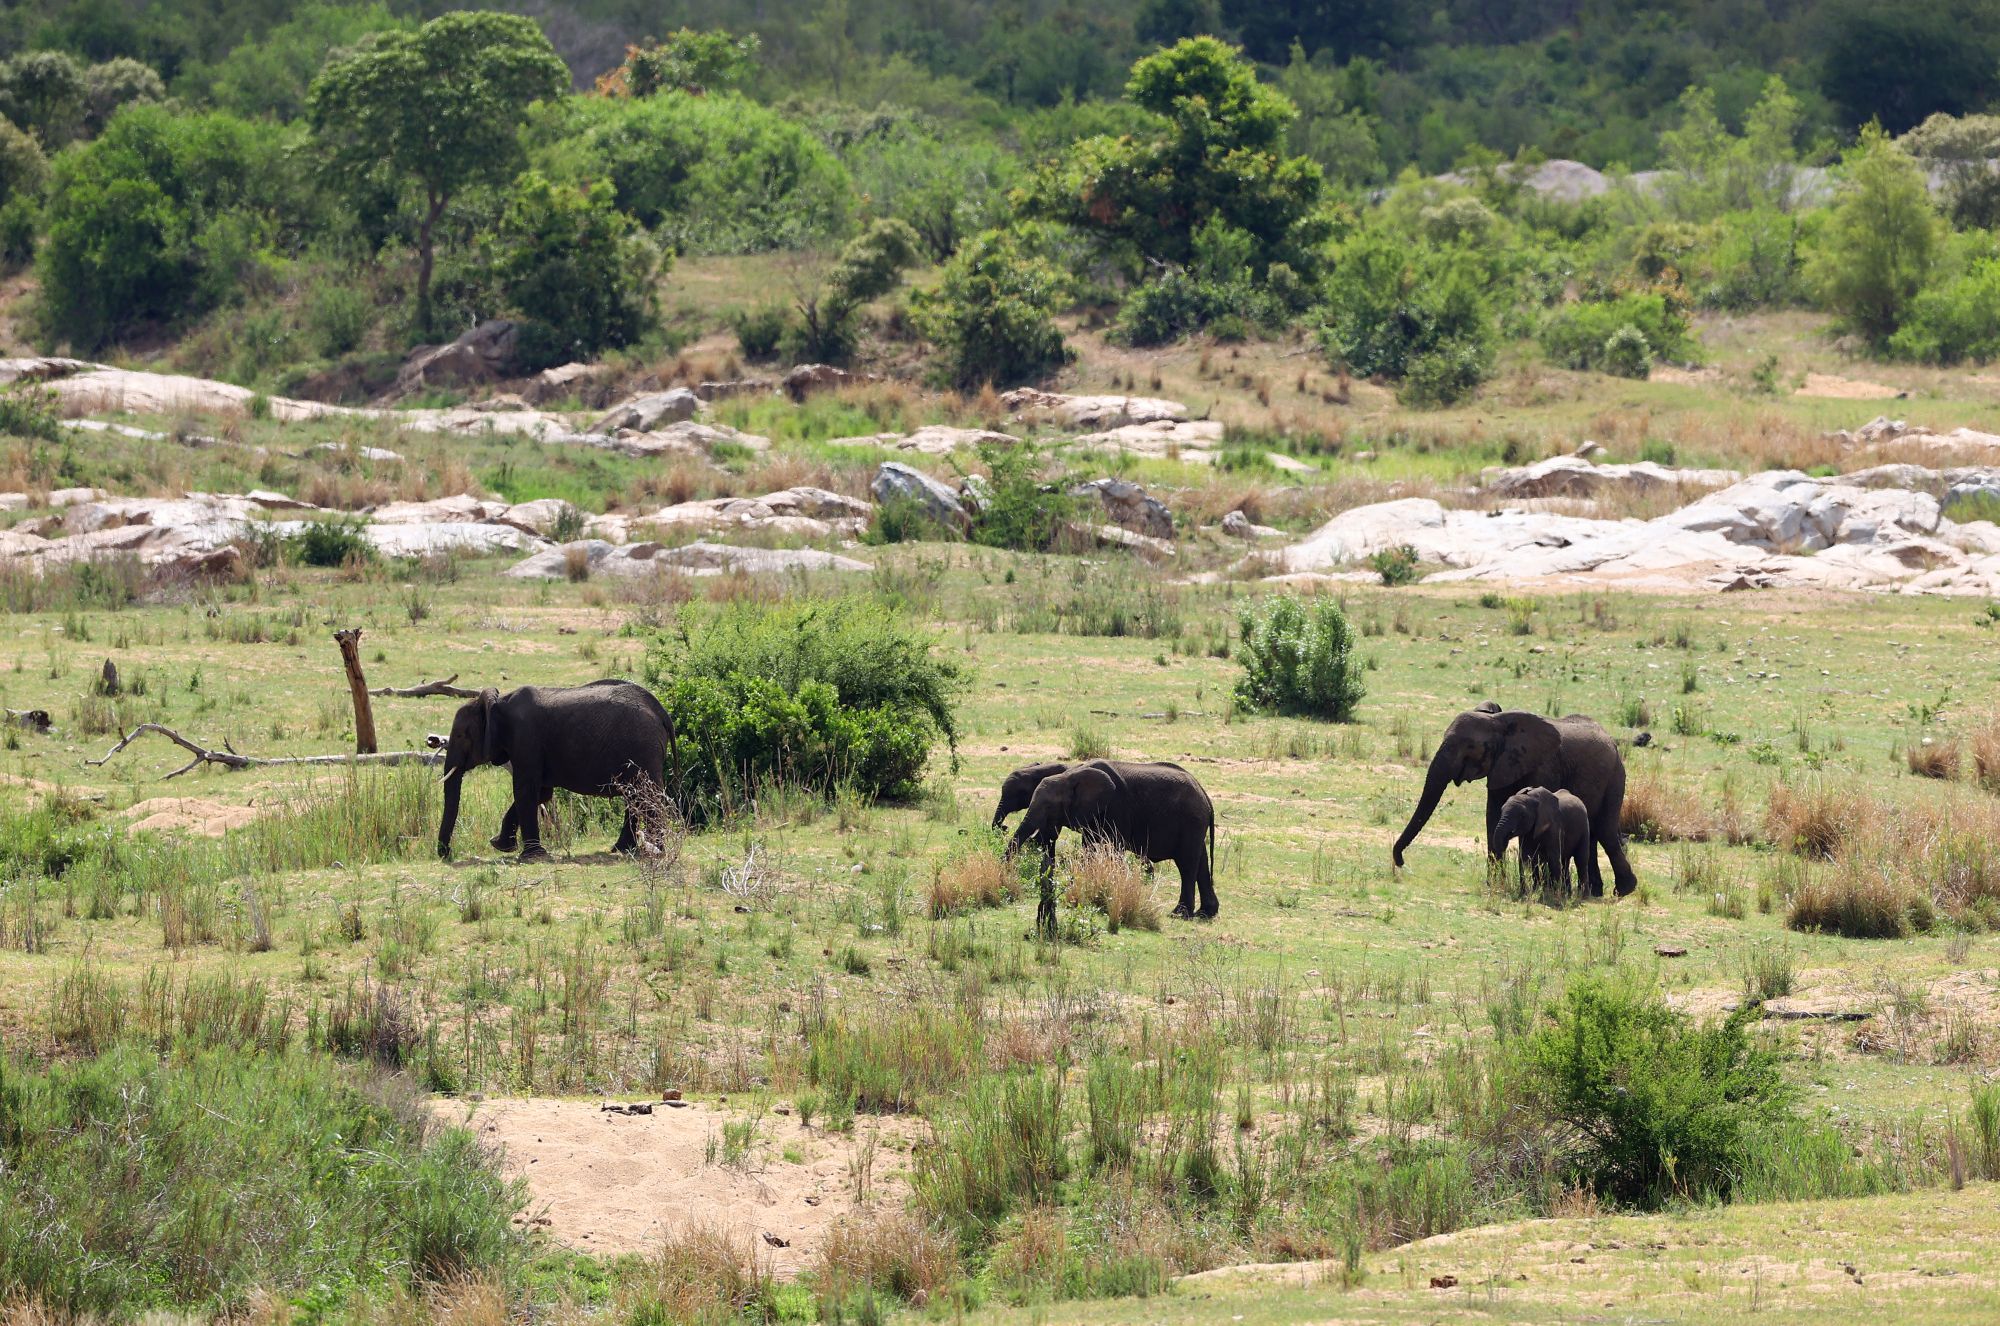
(808, 379)
(1094, 412)
(1239, 526)
(1128, 505)
(1192, 440)
(897, 481)
(1575, 477)
(643, 414)
(1117, 536)
(564, 382)
(930, 440)
(811, 513)
(481, 355)
(598, 557)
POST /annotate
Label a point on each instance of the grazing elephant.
(1156, 811)
(1554, 831)
(1017, 789)
(1512, 749)
(591, 739)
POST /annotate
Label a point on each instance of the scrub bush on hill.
(570, 263)
(1299, 660)
(1392, 311)
(992, 314)
(1593, 334)
(820, 694)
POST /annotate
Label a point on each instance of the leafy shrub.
(759, 330)
(1015, 509)
(1955, 320)
(23, 168)
(1627, 354)
(1876, 249)
(992, 314)
(868, 268)
(1580, 335)
(1389, 306)
(19, 222)
(1444, 376)
(29, 411)
(905, 520)
(717, 173)
(1648, 1105)
(571, 264)
(329, 543)
(235, 1171)
(1396, 566)
(1299, 660)
(338, 313)
(822, 695)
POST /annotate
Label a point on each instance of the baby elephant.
(1554, 830)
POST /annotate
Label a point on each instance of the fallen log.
(428, 688)
(229, 759)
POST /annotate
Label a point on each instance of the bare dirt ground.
(196, 815)
(1829, 387)
(610, 1183)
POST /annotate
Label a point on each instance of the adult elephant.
(597, 739)
(1512, 749)
(1158, 812)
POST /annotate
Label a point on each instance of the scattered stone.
(1239, 526)
(1589, 448)
(671, 1094)
(1289, 464)
(1195, 441)
(1116, 536)
(895, 480)
(379, 454)
(1444, 1282)
(1670, 950)
(807, 379)
(774, 1241)
(1129, 505)
(719, 391)
(562, 382)
(643, 414)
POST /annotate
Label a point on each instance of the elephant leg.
(627, 837)
(1621, 869)
(528, 801)
(1184, 907)
(1205, 881)
(505, 840)
(1045, 892)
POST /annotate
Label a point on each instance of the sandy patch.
(615, 1183)
(1846, 389)
(196, 815)
(38, 785)
(1686, 377)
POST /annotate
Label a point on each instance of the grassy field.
(822, 957)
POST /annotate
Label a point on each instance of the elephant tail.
(1211, 840)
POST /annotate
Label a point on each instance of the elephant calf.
(1158, 812)
(1554, 832)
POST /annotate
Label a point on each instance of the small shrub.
(1105, 878)
(760, 330)
(1585, 335)
(891, 1252)
(978, 876)
(1397, 566)
(890, 1058)
(1017, 509)
(1627, 354)
(702, 1276)
(1813, 818)
(1861, 898)
(1445, 376)
(333, 542)
(1299, 660)
(906, 520)
(1652, 1106)
(992, 315)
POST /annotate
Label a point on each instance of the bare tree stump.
(349, 641)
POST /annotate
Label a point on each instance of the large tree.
(440, 108)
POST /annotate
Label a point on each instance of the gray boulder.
(643, 414)
(1129, 505)
(483, 354)
(897, 480)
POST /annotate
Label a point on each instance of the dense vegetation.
(343, 182)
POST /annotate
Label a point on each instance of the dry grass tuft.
(978, 878)
(1656, 811)
(1814, 819)
(576, 563)
(701, 1275)
(1986, 755)
(1860, 898)
(1933, 759)
(1106, 878)
(887, 1251)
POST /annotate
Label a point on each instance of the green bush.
(992, 314)
(570, 263)
(816, 694)
(230, 1171)
(20, 219)
(1393, 311)
(23, 168)
(1648, 1105)
(1580, 335)
(329, 543)
(29, 411)
(717, 173)
(1397, 566)
(1955, 320)
(1015, 508)
(1299, 660)
(1627, 354)
(1878, 245)
(338, 311)
(1445, 376)
(825, 330)
(760, 330)
(906, 520)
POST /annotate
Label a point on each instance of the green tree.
(1222, 153)
(992, 314)
(113, 84)
(1712, 171)
(1962, 150)
(23, 168)
(687, 61)
(271, 75)
(440, 107)
(868, 268)
(43, 92)
(571, 264)
(1880, 242)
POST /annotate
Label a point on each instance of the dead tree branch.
(229, 759)
(349, 641)
(428, 688)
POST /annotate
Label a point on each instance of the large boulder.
(483, 354)
(1192, 440)
(930, 440)
(807, 379)
(1129, 505)
(1573, 476)
(1100, 412)
(894, 480)
(564, 382)
(1239, 526)
(643, 414)
(695, 559)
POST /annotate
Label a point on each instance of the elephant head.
(1073, 799)
(1018, 789)
(1507, 747)
(1529, 815)
(478, 737)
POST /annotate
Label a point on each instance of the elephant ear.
(1091, 790)
(1545, 811)
(1529, 744)
(492, 742)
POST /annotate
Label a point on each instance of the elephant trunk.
(453, 779)
(1508, 829)
(1434, 785)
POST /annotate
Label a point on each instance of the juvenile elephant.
(1513, 749)
(1017, 789)
(1554, 832)
(1156, 811)
(595, 739)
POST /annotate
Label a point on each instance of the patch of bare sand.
(196, 815)
(38, 785)
(615, 1183)
(1829, 387)
(1686, 377)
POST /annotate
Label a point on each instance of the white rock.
(696, 559)
(643, 414)
(1573, 476)
(1100, 412)
(1128, 505)
(893, 479)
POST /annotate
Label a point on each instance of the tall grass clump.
(887, 1252)
(1814, 818)
(889, 1059)
(1299, 660)
(978, 875)
(701, 1276)
(1004, 1146)
(820, 694)
(226, 1172)
(1643, 1105)
(1105, 878)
